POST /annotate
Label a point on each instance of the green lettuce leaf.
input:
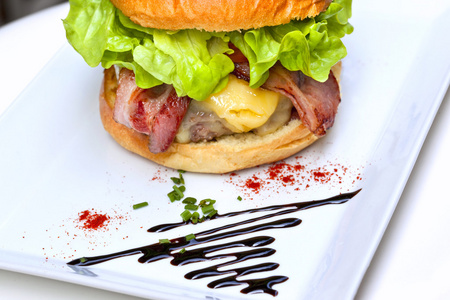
(195, 62)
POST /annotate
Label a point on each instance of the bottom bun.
(227, 154)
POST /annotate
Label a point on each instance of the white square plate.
(57, 162)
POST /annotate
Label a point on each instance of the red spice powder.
(322, 176)
(253, 183)
(287, 179)
(92, 220)
(161, 175)
(299, 174)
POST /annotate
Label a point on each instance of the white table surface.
(413, 258)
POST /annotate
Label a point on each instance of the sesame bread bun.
(226, 154)
(217, 15)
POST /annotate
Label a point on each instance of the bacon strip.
(157, 112)
(316, 102)
(167, 122)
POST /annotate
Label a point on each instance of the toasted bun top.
(218, 15)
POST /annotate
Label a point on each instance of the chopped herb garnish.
(189, 200)
(176, 180)
(83, 259)
(190, 213)
(239, 198)
(181, 178)
(207, 209)
(212, 213)
(177, 193)
(164, 241)
(174, 196)
(190, 237)
(140, 205)
(182, 250)
(206, 202)
(186, 215)
(194, 217)
(191, 207)
(179, 190)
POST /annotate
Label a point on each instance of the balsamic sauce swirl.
(178, 248)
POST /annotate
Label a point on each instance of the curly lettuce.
(195, 62)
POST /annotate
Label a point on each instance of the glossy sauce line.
(178, 250)
(339, 199)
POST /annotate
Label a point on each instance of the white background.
(412, 261)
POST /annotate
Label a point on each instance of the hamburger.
(214, 86)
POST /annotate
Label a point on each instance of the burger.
(214, 86)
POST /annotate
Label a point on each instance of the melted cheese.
(242, 107)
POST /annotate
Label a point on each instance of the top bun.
(218, 15)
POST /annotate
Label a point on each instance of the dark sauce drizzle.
(160, 251)
(290, 208)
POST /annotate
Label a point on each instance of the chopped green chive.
(176, 180)
(191, 207)
(212, 213)
(181, 178)
(239, 198)
(182, 250)
(186, 215)
(173, 196)
(177, 193)
(190, 237)
(207, 209)
(206, 202)
(140, 205)
(189, 200)
(164, 241)
(194, 217)
(83, 259)
(190, 213)
(179, 190)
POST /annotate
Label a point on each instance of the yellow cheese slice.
(241, 106)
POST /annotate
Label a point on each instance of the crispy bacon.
(156, 112)
(167, 122)
(237, 56)
(316, 102)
